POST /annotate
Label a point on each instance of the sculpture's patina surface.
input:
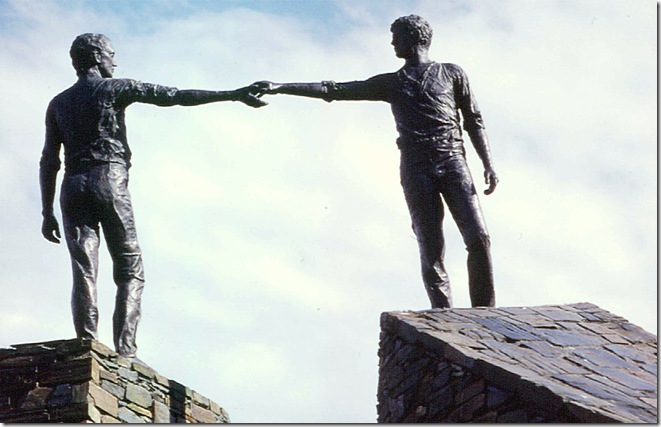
(426, 98)
(88, 121)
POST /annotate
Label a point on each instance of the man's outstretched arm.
(130, 91)
(373, 89)
(249, 95)
(310, 90)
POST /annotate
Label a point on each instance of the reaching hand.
(50, 229)
(491, 179)
(250, 95)
(253, 101)
(266, 87)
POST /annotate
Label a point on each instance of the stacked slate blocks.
(559, 364)
(72, 381)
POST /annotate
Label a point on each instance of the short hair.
(83, 48)
(415, 26)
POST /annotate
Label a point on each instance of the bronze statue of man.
(88, 121)
(426, 98)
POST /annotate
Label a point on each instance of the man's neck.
(91, 73)
(419, 57)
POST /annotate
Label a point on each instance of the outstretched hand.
(250, 95)
(266, 87)
(491, 179)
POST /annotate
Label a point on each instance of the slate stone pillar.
(73, 381)
(574, 363)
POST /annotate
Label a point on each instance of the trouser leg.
(461, 197)
(83, 243)
(119, 229)
(81, 233)
(426, 210)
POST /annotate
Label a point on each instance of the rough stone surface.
(138, 395)
(561, 364)
(73, 381)
(161, 413)
(103, 400)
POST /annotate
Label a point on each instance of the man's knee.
(478, 243)
(128, 265)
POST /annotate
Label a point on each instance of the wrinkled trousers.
(99, 196)
(425, 177)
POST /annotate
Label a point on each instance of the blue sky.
(273, 239)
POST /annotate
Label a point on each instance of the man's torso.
(425, 105)
(89, 117)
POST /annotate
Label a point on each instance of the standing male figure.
(426, 98)
(88, 120)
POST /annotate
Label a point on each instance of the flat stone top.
(577, 354)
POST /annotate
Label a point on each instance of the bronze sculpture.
(426, 98)
(88, 121)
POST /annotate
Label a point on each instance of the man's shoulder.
(384, 76)
(118, 89)
(377, 81)
(138, 88)
(62, 97)
(452, 68)
(119, 83)
(95, 83)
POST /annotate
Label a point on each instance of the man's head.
(409, 32)
(89, 50)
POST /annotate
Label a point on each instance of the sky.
(273, 239)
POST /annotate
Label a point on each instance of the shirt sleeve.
(129, 91)
(50, 155)
(467, 103)
(376, 88)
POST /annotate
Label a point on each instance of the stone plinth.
(559, 364)
(72, 381)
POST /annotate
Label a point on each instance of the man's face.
(403, 44)
(107, 61)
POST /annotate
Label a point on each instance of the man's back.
(90, 124)
(88, 118)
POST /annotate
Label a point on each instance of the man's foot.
(133, 358)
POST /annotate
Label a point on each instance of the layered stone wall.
(559, 364)
(74, 381)
(416, 386)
